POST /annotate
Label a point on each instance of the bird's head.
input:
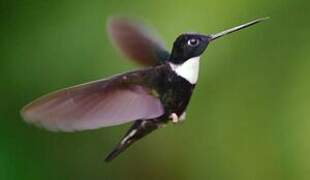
(188, 45)
(191, 45)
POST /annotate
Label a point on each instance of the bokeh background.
(249, 118)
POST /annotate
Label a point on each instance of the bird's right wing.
(102, 103)
(136, 42)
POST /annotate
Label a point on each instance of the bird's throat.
(188, 70)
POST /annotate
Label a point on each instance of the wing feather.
(136, 42)
(97, 104)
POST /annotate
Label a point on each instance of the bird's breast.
(176, 92)
(189, 70)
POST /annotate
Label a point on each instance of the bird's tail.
(139, 129)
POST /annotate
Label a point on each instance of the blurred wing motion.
(94, 105)
(135, 41)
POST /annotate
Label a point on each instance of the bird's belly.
(177, 96)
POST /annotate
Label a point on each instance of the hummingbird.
(149, 97)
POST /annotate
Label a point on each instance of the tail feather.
(138, 130)
(116, 151)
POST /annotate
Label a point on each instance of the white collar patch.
(189, 70)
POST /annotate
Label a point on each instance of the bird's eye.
(193, 42)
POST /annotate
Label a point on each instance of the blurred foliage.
(248, 119)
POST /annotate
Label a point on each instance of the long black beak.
(237, 28)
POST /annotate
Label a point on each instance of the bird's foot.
(183, 116)
(174, 118)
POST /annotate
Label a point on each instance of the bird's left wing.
(136, 42)
(102, 103)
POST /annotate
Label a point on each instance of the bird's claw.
(174, 118)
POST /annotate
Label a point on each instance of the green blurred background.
(249, 118)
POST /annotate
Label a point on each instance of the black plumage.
(150, 97)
